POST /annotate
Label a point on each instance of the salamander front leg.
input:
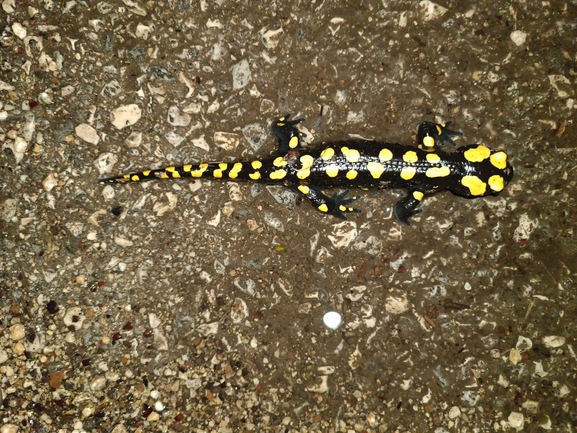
(337, 205)
(287, 135)
(432, 134)
(406, 208)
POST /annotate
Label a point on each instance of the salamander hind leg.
(407, 207)
(287, 135)
(432, 134)
(337, 205)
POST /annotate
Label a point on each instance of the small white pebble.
(9, 428)
(153, 416)
(516, 420)
(19, 30)
(154, 394)
(159, 406)
(454, 412)
(17, 332)
(49, 182)
(552, 341)
(518, 37)
(332, 320)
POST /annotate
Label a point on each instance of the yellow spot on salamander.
(294, 142)
(187, 168)
(169, 169)
(429, 141)
(278, 174)
(385, 155)
(254, 176)
(352, 174)
(146, 173)
(476, 186)
(256, 164)
(305, 171)
(496, 183)
(410, 156)
(439, 129)
(217, 173)
(375, 168)
(201, 169)
(332, 171)
(126, 176)
(304, 189)
(223, 165)
(235, 170)
(352, 155)
(307, 161)
(343, 208)
(328, 153)
(418, 195)
(438, 171)
(323, 208)
(175, 175)
(135, 178)
(280, 123)
(499, 160)
(433, 158)
(407, 173)
(477, 154)
(279, 162)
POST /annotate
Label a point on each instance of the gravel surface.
(197, 306)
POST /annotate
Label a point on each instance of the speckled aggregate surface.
(197, 306)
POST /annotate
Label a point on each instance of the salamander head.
(487, 171)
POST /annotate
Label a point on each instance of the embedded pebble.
(343, 234)
(516, 420)
(397, 304)
(45, 98)
(552, 341)
(270, 37)
(241, 75)
(200, 142)
(17, 332)
(525, 227)
(134, 139)
(3, 356)
(74, 317)
(239, 310)
(125, 115)
(9, 428)
(87, 133)
(19, 148)
(153, 320)
(518, 37)
(8, 6)
(514, 356)
(19, 30)
(226, 140)
(154, 416)
(178, 118)
(98, 383)
(523, 344)
(432, 10)
(454, 412)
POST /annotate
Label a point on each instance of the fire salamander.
(471, 171)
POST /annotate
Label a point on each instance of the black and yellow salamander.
(470, 171)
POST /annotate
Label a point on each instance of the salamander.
(470, 171)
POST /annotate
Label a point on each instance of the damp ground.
(197, 306)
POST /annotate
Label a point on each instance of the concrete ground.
(197, 306)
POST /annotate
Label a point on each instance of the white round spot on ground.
(332, 320)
